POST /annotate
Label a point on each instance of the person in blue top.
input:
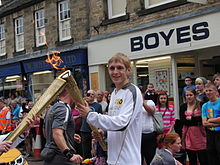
(211, 120)
(188, 82)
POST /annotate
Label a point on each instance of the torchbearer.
(124, 115)
(60, 133)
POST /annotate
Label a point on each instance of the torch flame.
(44, 36)
(55, 60)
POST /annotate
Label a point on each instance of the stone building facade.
(41, 25)
(167, 40)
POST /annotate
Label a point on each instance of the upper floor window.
(19, 34)
(154, 3)
(116, 8)
(64, 20)
(40, 28)
(2, 40)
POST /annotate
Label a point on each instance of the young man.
(60, 134)
(150, 93)
(123, 122)
(188, 82)
(216, 80)
(211, 120)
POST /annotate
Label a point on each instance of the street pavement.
(33, 161)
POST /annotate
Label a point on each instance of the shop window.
(154, 3)
(39, 82)
(40, 28)
(116, 8)
(64, 21)
(156, 71)
(2, 40)
(19, 34)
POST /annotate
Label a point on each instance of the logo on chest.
(119, 101)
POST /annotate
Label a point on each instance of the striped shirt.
(168, 116)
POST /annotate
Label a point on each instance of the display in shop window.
(162, 80)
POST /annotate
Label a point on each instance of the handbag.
(158, 122)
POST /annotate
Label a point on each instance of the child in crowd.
(167, 112)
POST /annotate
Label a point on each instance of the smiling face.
(119, 74)
(211, 92)
(200, 86)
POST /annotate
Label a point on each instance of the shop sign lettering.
(184, 34)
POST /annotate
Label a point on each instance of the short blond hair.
(120, 57)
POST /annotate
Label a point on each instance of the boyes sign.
(196, 32)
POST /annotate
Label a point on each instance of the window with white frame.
(64, 20)
(19, 34)
(154, 3)
(2, 40)
(40, 28)
(116, 8)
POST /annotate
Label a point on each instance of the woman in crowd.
(167, 112)
(200, 89)
(193, 135)
(171, 143)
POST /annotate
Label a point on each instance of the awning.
(10, 69)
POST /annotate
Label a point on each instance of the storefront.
(37, 74)
(162, 53)
(11, 80)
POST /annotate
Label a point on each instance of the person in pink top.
(193, 134)
(167, 112)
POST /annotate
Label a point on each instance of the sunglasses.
(89, 94)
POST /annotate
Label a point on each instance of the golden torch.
(65, 80)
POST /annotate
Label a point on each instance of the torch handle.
(102, 143)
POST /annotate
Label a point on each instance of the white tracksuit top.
(123, 124)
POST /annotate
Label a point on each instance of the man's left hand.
(77, 138)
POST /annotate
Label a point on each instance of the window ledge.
(115, 20)
(66, 42)
(145, 11)
(42, 47)
(19, 53)
(3, 57)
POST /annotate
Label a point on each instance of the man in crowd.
(188, 82)
(5, 118)
(85, 128)
(216, 80)
(60, 134)
(211, 120)
(124, 116)
(150, 93)
(99, 98)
